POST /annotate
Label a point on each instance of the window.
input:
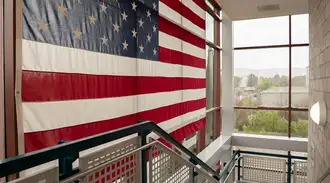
(271, 73)
(209, 28)
(260, 32)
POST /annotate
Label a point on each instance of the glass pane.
(209, 28)
(299, 89)
(299, 126)
(300, 29)
(260, 32)
(221, 34)
(261, 77)
(262, 122)
(209, 92)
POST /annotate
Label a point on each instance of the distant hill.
(241, 72)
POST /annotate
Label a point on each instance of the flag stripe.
(195, 8)
(52, 58)
(177, 44)
(184, 11)
(173, 16)
(176, 31)
(200, 3)
(46, 86)
(59, 114)
(44, 138)
(170, 56)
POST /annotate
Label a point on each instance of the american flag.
(90, 66)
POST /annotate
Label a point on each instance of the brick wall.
(319, 71)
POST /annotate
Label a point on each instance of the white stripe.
(194, 8)
(174, 17)
(41, 116)
(174, 43)
(52, 58)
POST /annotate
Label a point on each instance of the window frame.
(289, 108)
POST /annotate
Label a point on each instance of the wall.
(319, 82)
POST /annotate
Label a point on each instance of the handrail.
(32, 159)
(324, 176)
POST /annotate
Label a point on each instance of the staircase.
(131, 161)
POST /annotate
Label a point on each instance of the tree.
(266, 122)
(237, 81)
(252, 81)
(265, 83)
(301, 128)
(284, 81)
(299, 80)
(276, 79)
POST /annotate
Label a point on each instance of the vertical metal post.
(289, 167)
(239, 166)
(144, 171)
(65, 163)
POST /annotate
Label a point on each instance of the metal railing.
(265, 167)
(68, 152)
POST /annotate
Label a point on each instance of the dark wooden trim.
(212, 13)
(2, 123)
(271, 46)
(290, 75)
(9, 59)
(215, 4)
(271, 108)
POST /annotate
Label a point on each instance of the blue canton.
(121, 27)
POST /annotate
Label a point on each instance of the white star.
(141, 22)
(124, 16)
(134, 6)
(141, 48)
(104, 40)
(125, 45)
(103, 8)
(148, 13)
(155, 51)
(148, 38)
(134, 33)
(154, 5)
(116, 27)
(154, 28)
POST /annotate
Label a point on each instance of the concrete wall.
(319, 83)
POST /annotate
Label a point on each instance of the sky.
(268, 31)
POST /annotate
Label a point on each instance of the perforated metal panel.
(124, 169)
(47, 176)
(165, 166)
(263, 169)
(300, 172)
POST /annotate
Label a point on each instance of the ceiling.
(250, 9)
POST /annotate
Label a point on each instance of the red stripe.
(43, 139)
(185, 11)
(176, 57)
(185, 131)
(200, 3)
(180, 33)
(46, 86)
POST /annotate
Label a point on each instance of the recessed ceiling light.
(268, 7)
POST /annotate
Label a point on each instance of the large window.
(271, 76)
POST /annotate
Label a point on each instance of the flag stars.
(141, 48)
(154, 6)
(103, 8)
(124, 16)
(116, 27)
(148, 38)
(42, 24)
(62, 10)
(155, 51)
(134, 6)
(77, 34)
(141, 23)
(125, 45)
(148, 13)
(134, 33)
(154, 28)
(92, 19)
(104, 40)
